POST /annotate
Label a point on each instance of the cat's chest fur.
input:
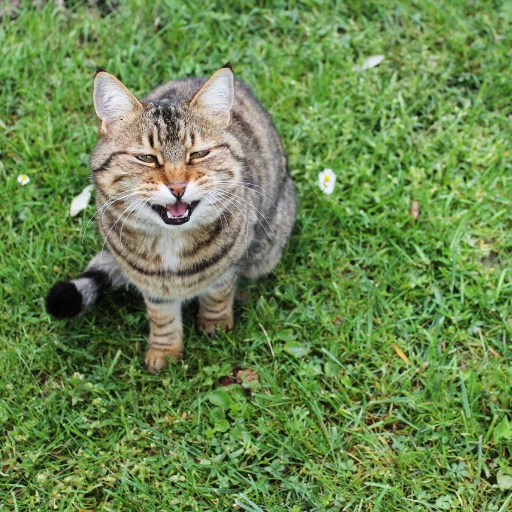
(175, 264)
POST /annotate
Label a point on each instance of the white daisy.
(326, 180)
(23, 179)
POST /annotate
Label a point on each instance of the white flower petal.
(326, 180)
(329, 187)
(370, 62)
(23, 179)
(81, 201)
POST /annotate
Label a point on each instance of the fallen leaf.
(504, 481)
(247, 375)
(400, 354)
(81, 201)
(415, 210)
(370, 62)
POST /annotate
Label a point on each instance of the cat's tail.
(67, 299)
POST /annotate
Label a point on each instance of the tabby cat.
(193, 191)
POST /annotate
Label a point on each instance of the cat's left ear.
(217, 95)
(112, 100)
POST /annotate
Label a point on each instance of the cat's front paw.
(158, 359)
(211, 327)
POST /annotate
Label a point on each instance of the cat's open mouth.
(177, 213)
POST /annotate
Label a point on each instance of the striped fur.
(240, 196)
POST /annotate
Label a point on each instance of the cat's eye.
(147, 159)
(198, 154)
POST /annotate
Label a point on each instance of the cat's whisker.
(109, 202)
(220, 212)
(213, 202)
(242, 184)
(234, 197)
(114, 225)
(124, 222)
(254, 207)
(140, 209)
(113, 199)
(229, 210)
(248, 210)
(246, 229)
(230, 201)
(119, 199)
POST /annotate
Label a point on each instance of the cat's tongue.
(178, 209)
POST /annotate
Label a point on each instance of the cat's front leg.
(165, 333)
(216, 306)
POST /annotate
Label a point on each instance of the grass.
(382, 344)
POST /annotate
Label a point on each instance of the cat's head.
(168, 162)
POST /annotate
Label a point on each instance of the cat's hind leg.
(216, 305)
(67, 299)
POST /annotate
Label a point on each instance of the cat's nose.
(177, 189)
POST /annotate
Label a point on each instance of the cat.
(193, 191)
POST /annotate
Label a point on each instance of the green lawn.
(382, 343)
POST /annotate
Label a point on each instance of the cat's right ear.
(113, 102)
